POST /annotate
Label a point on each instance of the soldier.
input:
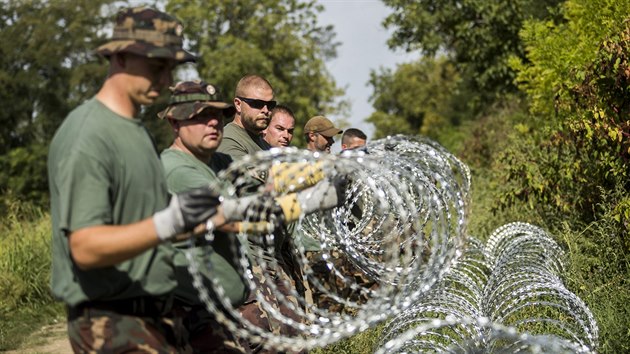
(279, 133)
(253, 102)
(197, 121)
(319, 132)
(196, 118)
(109, 203)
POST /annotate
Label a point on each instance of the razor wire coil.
(403, 226)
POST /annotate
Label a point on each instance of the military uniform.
(184, 171)
(238, 142)
(103, 170)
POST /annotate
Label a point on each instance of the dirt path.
(50, 339)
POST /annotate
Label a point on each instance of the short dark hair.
(352, 133)
(282, 109)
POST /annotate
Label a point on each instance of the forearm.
(107, 245)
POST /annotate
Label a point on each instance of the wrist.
(168, 222)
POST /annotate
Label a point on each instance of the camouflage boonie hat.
(147, 32)
(189, 98)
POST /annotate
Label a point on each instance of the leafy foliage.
(278, 39)
(49, 68)
(577, 80)
(46, 69)
(418, 98)
(571, 163)
(478, 36)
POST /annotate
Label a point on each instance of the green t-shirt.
(183, 172)
(103, 169)
(238, 142)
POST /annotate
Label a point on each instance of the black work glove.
(185, 211)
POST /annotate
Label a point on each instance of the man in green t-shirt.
(110, 207)
(196, 118)
(253, 102)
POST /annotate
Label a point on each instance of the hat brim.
(185, 111)
(330, 132)
(145, 49)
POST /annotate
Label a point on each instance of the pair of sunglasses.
(258, 104)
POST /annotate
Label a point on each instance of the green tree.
(278, 39)
(477, 35)
(417, 98)
(576, 77)
(46, 69)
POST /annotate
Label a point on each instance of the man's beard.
(250, 124)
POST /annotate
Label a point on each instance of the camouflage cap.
(189, 98)
(147, 32)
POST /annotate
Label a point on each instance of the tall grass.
(599, 273)
(25, 258)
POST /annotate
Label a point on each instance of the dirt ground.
(50, 339)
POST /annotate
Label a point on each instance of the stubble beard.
(251, 124)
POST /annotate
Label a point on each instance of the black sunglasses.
(258, 104)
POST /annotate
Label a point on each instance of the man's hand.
(326, 194)
(185, 211)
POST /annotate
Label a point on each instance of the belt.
(144, 306)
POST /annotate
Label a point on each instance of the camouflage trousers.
(349, 284)
(205, 334)
(256, 314)
(102, 331)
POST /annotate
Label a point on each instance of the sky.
(358, 25)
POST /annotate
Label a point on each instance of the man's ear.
(237, 105)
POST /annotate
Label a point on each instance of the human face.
(202, 134)
(320, 142)
(254, 118)
(279, 133)
(147, 77)
(355, 142)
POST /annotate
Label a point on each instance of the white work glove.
(185, 211)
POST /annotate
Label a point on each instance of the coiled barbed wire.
(401, 225)
(526, 278)
(522, 306)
